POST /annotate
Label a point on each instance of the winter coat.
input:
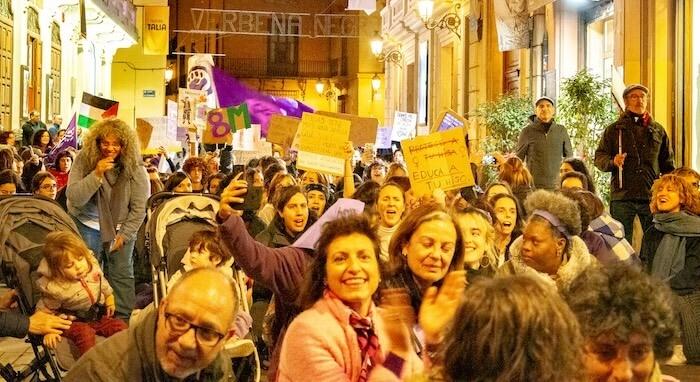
(579, 260)
(645, 160)
(543, 151)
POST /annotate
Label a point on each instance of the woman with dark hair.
(549, 248)
(496, 188)
(576, 164)
(573, 180)
(42, 141)
(8, 138)
(609, 229)
(178, 182)
(511, 329)
(196, 169)
(212, 185)
(9, 182)
(44, 184)
(342, 336)
(627, 322)
(280, 180)
(671, 252)
(7, 159)
(595, 244)
(390, 210)
(61, 168)
(426, 246)
(291, 220)
(318, 196)
(507, 223)
(107, 191)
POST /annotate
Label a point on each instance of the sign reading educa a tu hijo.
(155, 30)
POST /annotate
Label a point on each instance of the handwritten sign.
(439, 160)
(383, 138)
(362, 129)
(246, 139)
(153, 134)
(260, 149)
(321, 143)
(404, 126)
(282, 130)
(190, 104)
(221, 123)
(449, 119)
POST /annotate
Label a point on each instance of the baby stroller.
(25, 220)
(172, 219)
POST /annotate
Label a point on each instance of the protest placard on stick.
(321, 143)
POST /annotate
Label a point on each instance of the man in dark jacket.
(543, 144)
(30, 127)
(644, 141)
(181, 340)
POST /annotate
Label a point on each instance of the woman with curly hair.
(549, 248)
(671, 252)
(196, 169)
(627, 323)
(511, 329)
(42, 141)
(106, 192)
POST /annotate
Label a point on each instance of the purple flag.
(70, 139)
(231, 92)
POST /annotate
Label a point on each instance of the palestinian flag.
(94, 108)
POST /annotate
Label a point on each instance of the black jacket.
(645, 160)
(13, 325)
(543, 151)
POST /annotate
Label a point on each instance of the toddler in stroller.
(72, 282)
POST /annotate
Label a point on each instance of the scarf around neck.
(669, 259)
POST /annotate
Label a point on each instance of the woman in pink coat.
(342, 335)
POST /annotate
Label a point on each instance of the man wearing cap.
(644, 141)
(543, 144)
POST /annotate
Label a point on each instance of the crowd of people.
(526, 277)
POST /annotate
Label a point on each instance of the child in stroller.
(72, 282)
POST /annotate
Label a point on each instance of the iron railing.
(261, 68)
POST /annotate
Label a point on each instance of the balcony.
(261, 68)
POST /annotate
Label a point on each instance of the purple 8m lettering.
(219, 128)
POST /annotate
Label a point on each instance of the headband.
(317, 187)
(553, 220)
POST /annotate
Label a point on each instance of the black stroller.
(25, 220)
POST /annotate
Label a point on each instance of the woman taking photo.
(291, 220)
(671, 252)
(342, 335)
(107, 191)
(549, 248)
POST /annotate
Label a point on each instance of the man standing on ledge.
(639, 147)
(30, 127)
(542, 145)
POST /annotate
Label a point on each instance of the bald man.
(182, 340)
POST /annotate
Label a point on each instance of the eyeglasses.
(205, 336)
(49, 187)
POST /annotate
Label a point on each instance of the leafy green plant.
(585, 109)
(503, 118)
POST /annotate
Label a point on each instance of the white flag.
(369, 6)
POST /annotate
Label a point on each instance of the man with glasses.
(636, 150)
(180, 340)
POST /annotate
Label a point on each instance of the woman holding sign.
(107, 191)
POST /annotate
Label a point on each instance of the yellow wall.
(128, 84)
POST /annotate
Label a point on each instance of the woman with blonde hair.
(480, 253)
(671, 251)
(106, 193)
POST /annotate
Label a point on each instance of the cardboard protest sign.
(261, 148)
(153, 134)
(322, 142)
(191, 108)
(246, 139)
(221, 123)
(449, 119)
(282, 130)
(383, 138)
(439, 160)
(362, 129)
(404, 126)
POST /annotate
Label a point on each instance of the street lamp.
(377, 46)
(376, 82)
(320, 86)
(450, 20)
(169, 72)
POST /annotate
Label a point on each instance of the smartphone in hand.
(252, 200)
